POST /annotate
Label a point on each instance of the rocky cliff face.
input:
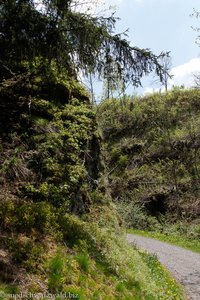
(49, 162)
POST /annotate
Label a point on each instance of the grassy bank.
(99, 265)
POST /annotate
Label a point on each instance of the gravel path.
(183, 264)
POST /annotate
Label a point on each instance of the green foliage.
(12, 289)
(152, 156)
(102, 265)
(51, 139)
(27, 252)
(28, 216)
(55, 273)
(171, 290)
(7, 290)
(14, 168)
(84, 262)
(97, 264)
(134, 216)
(71, 226)
(74, 41)
(114, 256)
(50, 155)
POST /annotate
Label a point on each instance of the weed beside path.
(183, 264)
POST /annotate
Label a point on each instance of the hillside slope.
(152, 156)
(59, 230)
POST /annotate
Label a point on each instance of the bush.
(27, 252)
(24, 217)
(134, 216)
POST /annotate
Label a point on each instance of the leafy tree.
(55, 31)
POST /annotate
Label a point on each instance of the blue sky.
(162, 25)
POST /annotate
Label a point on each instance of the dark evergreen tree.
(73, 40)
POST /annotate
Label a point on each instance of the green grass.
(138, 276)
(103, 266)
(162, 277)
(5, 290)
(177, 240)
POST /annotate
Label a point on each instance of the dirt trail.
(183, 264)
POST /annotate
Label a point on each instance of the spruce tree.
(74, 41)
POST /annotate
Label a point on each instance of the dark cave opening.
(155, 204)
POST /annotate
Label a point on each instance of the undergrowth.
(152, 158)
(59, 227)
(96, 263)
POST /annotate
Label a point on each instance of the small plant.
(56, 273)
(2, 295)
(6, 290)
(84, 261)
(26, 251)
(120, 287)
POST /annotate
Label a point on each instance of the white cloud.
(183, 75)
